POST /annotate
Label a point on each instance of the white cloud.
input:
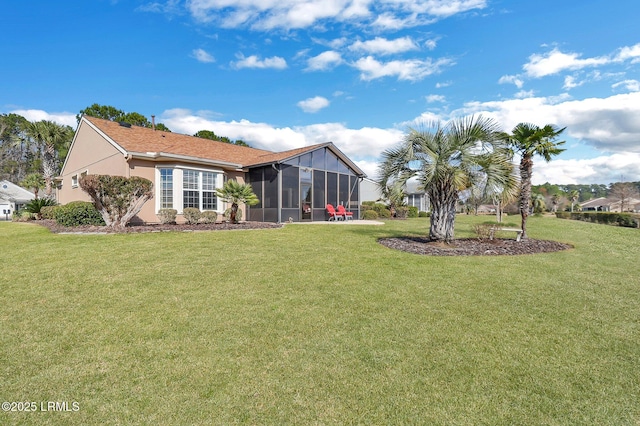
(64, 118)
(314, 104)
(608, 124)
(267, 15)
(411, 70)
(383, 46)
(556, 61)
(324, 61)
(201, 55)
(363, 145)
(602, 169)
(630, 85)
(435, 98)
(254, 61)
(431, 44)
(629, 52)
(511, 79)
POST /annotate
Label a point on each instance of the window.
(209, 199)
(74, 181)
(198, 190)
(166, 188)
(190, 193)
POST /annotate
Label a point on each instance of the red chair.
(333, 214)
(342, 211)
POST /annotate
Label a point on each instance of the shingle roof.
(135, 139)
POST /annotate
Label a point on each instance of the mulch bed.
(473, 246)
(220, 226)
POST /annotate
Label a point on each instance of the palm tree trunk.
(443, 213)
(49, 168)
(526, 169)
(234, 211)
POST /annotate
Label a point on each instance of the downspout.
(279, 192)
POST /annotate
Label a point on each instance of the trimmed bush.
(117, 198)
(402, 212)
(628, 220)
(167, 216)
(209, 216)
(191, 215)
(413, 211)
(384, 213)
(370, 215)
(48, 212)
(78, 213)
(424, 214)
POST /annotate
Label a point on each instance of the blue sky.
(281, 74)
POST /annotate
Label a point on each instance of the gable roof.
(148, 143)
(13, 192)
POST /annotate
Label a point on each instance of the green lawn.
(319, 325)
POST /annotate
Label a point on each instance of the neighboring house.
(416, 197)
(12, 198)
(185, 171)
(603, 204)
(369, 190)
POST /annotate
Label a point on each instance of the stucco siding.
(90, 154)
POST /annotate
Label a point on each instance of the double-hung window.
(190, 189)
(166, 188)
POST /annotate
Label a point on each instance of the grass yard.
(319, 325)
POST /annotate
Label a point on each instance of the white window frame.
(178, 194)
(74, 181)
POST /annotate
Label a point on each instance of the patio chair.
(333, 214)
(342, 211)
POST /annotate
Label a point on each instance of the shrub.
(209, 216)
(78, 213)
(413, 211)
(424, 214)
(167, 216)
(370, 215)
(607, 218)
(227, 215)
(22, 216)
(484, 230)
(35, 206)
(368, 204)
(402, 212)
(48, 212)
(191, 215)
(117, 198)
(384, 213)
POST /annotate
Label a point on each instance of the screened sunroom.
(298, 186)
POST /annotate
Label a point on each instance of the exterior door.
(305, 194)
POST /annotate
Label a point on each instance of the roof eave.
(177, 157)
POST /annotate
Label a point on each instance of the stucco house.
(12, 198)
(185, 170)
(603, 204)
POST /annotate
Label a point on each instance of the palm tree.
(555, 200)
(51, 137)
(446, 160)
(574, 196)
(235, 193)
(539, 204)
(33, 181)
(529, 140)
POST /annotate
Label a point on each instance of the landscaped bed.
(133, 228)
